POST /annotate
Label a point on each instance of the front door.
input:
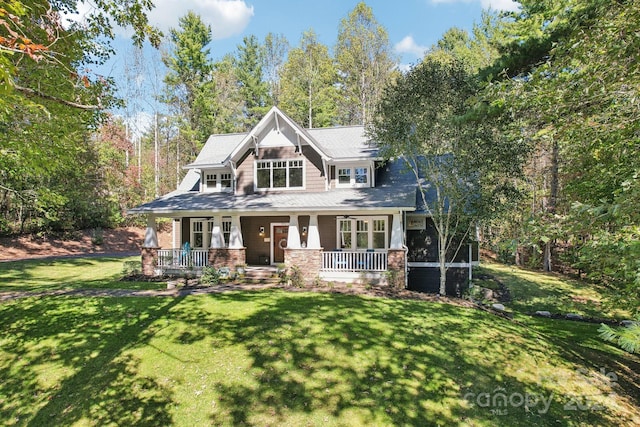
(280, 237)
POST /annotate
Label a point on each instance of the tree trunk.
(442, 259)
(551, 202)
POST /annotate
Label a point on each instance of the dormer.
(216, 180)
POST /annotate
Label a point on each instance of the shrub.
(131, 268)
(210, 276)
(295, 277)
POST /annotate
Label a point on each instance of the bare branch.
(32, 92)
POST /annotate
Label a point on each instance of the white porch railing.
(179, 258)
(354, 261)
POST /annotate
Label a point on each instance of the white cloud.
(409, 45)
(503, 5)
(226, 17)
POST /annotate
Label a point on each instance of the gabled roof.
(217, 149)
(336, 143)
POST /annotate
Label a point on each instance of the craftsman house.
(320, 199)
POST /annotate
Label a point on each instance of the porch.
(363, 244)
(177, 260)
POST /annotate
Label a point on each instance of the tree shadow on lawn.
(374, 361)
(68, 273)
(63, 361)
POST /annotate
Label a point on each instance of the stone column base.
(309, 261)
(227, 257)
(396, 260)
(149, 261)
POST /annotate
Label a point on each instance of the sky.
(412, 25)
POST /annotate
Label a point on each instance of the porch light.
(261, 231)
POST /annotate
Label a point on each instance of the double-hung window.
(353, 176)
(276, 174)
(217, 182)
(362, 233)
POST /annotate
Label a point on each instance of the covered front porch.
(326, 246)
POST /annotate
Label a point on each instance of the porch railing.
(179, 258)
(354, 261)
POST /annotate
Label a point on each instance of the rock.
(172, 285)
(498, 307)
(628, 323)
(573, 316)
(543, 313)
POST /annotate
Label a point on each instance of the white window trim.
(217, 188)
(352, 182)
(271, 188)
(370, 232)
(192, 232)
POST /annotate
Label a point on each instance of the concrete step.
(261, 274)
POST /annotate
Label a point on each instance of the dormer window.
(353, 176)
(216, 182)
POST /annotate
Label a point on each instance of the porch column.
(149, 252)
(313, 238)
(293, 240)
(396, 232)
(176, 231)
(217, 238)
(151, 235)
(235, 236)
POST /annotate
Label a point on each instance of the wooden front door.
(280, 237)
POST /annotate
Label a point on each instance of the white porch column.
(313, 238)
(217, 238)
(235, 236)
(151, 234)
(176, 231)
(293, 240)
(396, 232)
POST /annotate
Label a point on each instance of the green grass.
(68, 273)
(280, 358)
(533, 290)
(293, 358)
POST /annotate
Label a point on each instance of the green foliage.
(365, 63)
(253, 88)
(628, 338)
(210, 275)
(568, 89)
(463, 170)
(308, 84)
(295, 277)
(131, 268)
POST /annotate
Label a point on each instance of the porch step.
(261, 274)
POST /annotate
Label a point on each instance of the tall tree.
(463, 172)
(253, 88)
(50, 102)
(365, 62)
(190, 90)
(276, 48)
(309, 83)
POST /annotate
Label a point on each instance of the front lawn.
(288, 358)
(69, 273)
